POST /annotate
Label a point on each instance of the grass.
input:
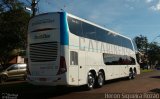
(146, 70)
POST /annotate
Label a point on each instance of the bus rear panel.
(46, 56)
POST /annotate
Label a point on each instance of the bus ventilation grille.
(40, 52)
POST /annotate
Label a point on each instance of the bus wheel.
(100, 79)
(130, 75)
(134, 74)
(91, 81)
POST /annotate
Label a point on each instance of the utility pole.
(33, 5)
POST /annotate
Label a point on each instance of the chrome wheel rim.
(91, 81)
(100, 80)
(130, 75)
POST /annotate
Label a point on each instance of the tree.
(151, 51)
(9, 5)
(1, 9)
(154, 52)
(142, 43)
(13, 29)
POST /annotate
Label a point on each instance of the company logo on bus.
(41, 36)
(43, 21)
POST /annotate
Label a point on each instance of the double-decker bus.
(67, 50)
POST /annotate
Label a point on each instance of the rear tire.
(130, 76)
(91, 81)
(100, 79)
(134, 74)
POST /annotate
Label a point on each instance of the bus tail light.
(62, 67)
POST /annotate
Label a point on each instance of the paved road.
(146, 85)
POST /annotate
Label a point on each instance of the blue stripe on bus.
(64, 29)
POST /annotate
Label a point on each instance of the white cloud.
(156, 7)
(132, 0)
(149, 1)
(129, 6)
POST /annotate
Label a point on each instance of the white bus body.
(57, 56)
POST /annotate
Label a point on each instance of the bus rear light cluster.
(62, 67)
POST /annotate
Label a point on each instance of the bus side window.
(73, 58)
(89, 31)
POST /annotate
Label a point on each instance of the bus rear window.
(44, 29)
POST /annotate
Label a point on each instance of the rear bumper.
(49, 80)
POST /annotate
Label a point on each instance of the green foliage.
(151, 50)
(154, 52)
(8, 5)
(13, 29)
(146, 70)
(142, 43)
(1, 8)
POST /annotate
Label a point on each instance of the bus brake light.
(62, 67)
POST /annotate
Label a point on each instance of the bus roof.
(84, 20)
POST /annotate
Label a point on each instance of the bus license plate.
(42, 79)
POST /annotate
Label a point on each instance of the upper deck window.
(75, 26)
(90, 31)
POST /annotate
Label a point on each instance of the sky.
(128, 17)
